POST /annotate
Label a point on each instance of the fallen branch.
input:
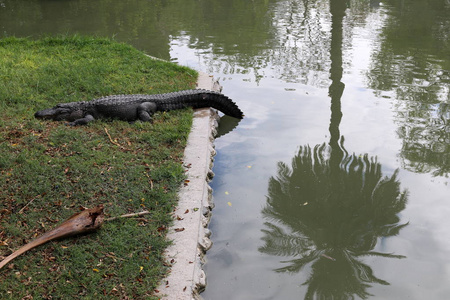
(86, 221)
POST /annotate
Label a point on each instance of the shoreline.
(189, 232)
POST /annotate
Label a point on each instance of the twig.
(29, 202)
(150, 180)
(112, 141)
(145, 212)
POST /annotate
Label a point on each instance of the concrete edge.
(189, 232)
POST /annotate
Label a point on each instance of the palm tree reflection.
(329, 208)
(331, 216)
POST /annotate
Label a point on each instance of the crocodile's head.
(61, 112)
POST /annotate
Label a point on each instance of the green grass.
(48, 170)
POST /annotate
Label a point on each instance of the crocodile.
(138, 106)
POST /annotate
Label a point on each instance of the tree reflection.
(329, 208)
(331, 215)
(412, 62)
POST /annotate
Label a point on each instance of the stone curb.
(189, 232)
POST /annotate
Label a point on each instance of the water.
(336, 183)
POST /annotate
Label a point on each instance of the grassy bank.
(48, 170)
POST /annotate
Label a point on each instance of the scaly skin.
(138, 107)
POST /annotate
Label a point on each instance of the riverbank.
(189, 232)
(49, 170)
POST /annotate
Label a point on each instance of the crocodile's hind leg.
(146, 110)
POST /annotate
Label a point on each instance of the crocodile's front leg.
(82, 121)
(146, 110)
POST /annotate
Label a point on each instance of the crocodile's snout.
(56, 113)
(45, 113)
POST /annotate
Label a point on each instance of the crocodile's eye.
(62, 113)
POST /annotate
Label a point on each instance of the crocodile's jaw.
(46, 114)
(58, 114)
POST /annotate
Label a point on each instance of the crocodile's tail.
(199, 99)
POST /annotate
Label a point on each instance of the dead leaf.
(5, 212)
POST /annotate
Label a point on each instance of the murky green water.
(336, 183)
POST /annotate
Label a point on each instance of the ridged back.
(176, 100)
